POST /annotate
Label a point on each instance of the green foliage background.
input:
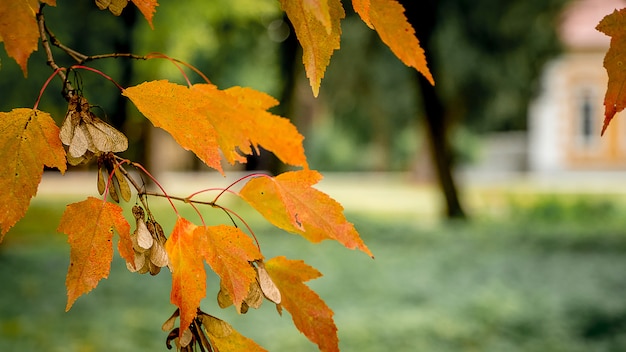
(546, 274)
(488, 55)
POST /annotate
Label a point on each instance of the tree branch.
(50, 58)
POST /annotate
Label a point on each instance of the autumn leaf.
(89, 225)
(388, 19)
(205, 120)
(320, 10)
(188, 275)
(291, 203)
(19, 30)
(29, 139)
(147, 8)
(615, 63)
(309, 312)
(226, 339)
(229, 252)
(318, 37)
(115, 6)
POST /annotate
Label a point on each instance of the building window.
(587, 129)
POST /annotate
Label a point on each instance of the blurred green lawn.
(547, 273)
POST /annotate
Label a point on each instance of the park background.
(536, 264)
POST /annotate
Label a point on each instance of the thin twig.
(182, 199)
(79, 57)
(50, 58)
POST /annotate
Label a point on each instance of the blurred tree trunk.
(288, 58)
(124, 44)
(422, 15)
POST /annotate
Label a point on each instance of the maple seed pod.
(255, 295)
(215, 326)
(115, 6)
(122, 184)
(223, 298)
(86, 135)
(101, 182)
(158, 255)
(268, 286)
(169, 323)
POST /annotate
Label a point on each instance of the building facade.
(566, 118)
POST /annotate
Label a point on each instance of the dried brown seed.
(122, 184)
(158, 255)
(215, 326)
(101, 171)
(255, 295)
(268, 286)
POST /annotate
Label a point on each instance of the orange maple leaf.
(89, 225)
(229, 251)
(291, 203)
(318, 37)
(188, 275)
(29, 139)
(309, 312)
(147, 8)
(205, 120)
(226, 339)
(19, 30)
(388, 19)
(615, 63)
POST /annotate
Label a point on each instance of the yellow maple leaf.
(309, 312)
(290, 202)
(29, 139)
(229, 251)
(89, 225)
(147, 8)
(205, 120)
(318, 39)
(388, 19)
(19, 30)
(188, 275)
